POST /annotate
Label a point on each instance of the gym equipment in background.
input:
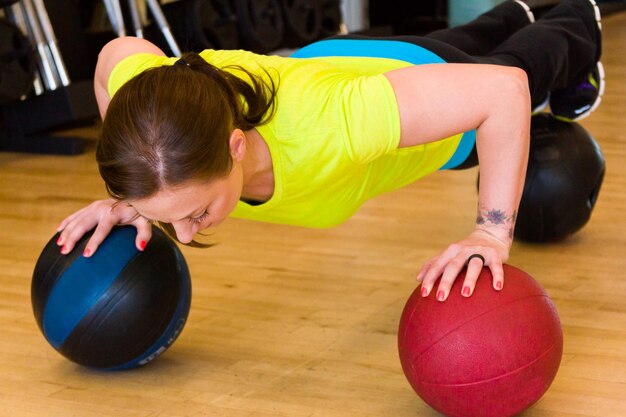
(303, 21)
(26, 125)
(58, 102)
(406, 17)
(17, 63)
(62, 88)
(116, 17)
(261, 24)
(203, 24)
(332, 20)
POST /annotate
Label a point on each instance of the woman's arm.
(105, 214)
(112, 53)
(438, 101)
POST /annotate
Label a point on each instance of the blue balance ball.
(118, 309)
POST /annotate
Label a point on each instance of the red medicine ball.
(493, 354)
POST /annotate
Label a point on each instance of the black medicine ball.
(565, 171)
(119, 308)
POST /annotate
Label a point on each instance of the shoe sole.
(597, 13)
(601, 85)
(595, 104)
(601, 73)
(598, 16)
(526, 8)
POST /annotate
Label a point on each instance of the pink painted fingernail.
(424, 291)
(64, 249)
(440, 295)
(499, 285)
(60, 240)
(142, 244)
(86, 252)
(466, 291)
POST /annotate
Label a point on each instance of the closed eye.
(200, 218)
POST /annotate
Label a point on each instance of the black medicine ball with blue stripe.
(118, 309)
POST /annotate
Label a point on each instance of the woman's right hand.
(103, 215)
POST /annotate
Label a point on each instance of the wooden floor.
(296, 322)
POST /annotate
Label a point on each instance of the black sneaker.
(577, 102)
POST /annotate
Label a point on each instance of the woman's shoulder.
(109, 58)
(119, 49)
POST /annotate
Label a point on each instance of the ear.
(237, 143)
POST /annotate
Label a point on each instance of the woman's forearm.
(437, 101)
(502, 145)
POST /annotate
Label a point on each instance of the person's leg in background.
(559, 52)
(471, 42)
(482, 35)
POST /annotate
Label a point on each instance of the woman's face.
(194, 205)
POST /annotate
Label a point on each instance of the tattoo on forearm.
(497, 217)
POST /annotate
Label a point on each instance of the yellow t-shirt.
(333, 139)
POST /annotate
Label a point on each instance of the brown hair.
(170, 124)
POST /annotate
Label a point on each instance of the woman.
(306, 140)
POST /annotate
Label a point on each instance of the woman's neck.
(258, 171)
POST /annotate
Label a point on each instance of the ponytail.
(258, 104)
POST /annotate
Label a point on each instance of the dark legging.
(556, 51)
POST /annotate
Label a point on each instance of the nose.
(185, 231)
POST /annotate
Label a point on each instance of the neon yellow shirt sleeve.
(134, 65)
(371, 122)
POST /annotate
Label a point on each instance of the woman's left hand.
(451, 261)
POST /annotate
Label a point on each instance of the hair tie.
(182, 62)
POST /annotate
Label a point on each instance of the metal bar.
(155, 8)
(355, 15)
(50, 76)
(114, 10)
(15, 14)
(51, 41)
(134, 15)
(111, 14)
